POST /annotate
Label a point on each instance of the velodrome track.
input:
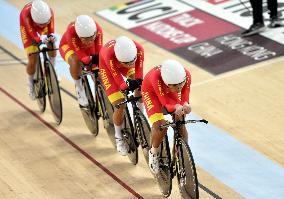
(239, 155)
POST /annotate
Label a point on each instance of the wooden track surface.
(40, 160)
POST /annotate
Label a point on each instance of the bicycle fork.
(140, 137)
(177, 169)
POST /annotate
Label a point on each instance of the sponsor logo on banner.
(184, 29)
(137, 13)
(204, 32)
(230, 52)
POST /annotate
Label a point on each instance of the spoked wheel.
(164, 177)
(128, 137)
(39, 86)
(89, 112)
(54, 93)
(187, 177)
(107, 112)
(145, 132)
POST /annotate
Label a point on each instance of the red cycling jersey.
(112, 71)
(71, 43)
(30, 31)
(156, 95)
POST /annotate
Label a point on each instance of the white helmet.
(125, 49)
(85, 26)
(40, 12)
(172, 72)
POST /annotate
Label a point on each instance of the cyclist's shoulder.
(138, 45)
(153, 74)
(107, 51)
(26, 10)
(99, 27)
(70, 30)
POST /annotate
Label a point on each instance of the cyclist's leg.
(75, 70)
(156, 118)
(113, 92)
(31, 65)
(32, 59)
(31, 68)
(115, 96)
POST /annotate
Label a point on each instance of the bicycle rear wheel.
(107, 112)
(89, 112)
(128, 135)
(145, 132)
(187, 177)
(39, 87)
(53, 92)
(164, 177)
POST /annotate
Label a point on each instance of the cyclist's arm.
(51, 24)
(99, 39)
(139, 62)
(27, 22)
(186, 89)
(157, 85)
(116, 74)
(73, 43)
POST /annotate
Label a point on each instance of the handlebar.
(175, 123)
(88, 69)
(45, 49)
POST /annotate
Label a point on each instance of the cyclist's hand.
(179, 111)
(95, 59)
(50, 38)
(133, 84)
(41, 45)
(186, 108)
(139, 82)
(123, 87)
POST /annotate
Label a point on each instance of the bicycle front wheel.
(106, 109)
(39, 87)
(128, 134)
(164, 177)
(89, 112)
(187, 176)
(145, 133)
(54, 93)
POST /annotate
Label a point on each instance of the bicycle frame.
(132, 99)
(94, 74)
(176, 125)
(44, 51)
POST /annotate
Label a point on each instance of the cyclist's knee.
(121, 107)
(32, 60)
(156, 127)
(52, 53)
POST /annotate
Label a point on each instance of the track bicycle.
(46, 83)
(179, 163)
(137, 131)
(98, 104)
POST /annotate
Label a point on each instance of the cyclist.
(165, 87)
(81, 44)
(118, 58)
(36, 19)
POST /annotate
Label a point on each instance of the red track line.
(84, 153)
